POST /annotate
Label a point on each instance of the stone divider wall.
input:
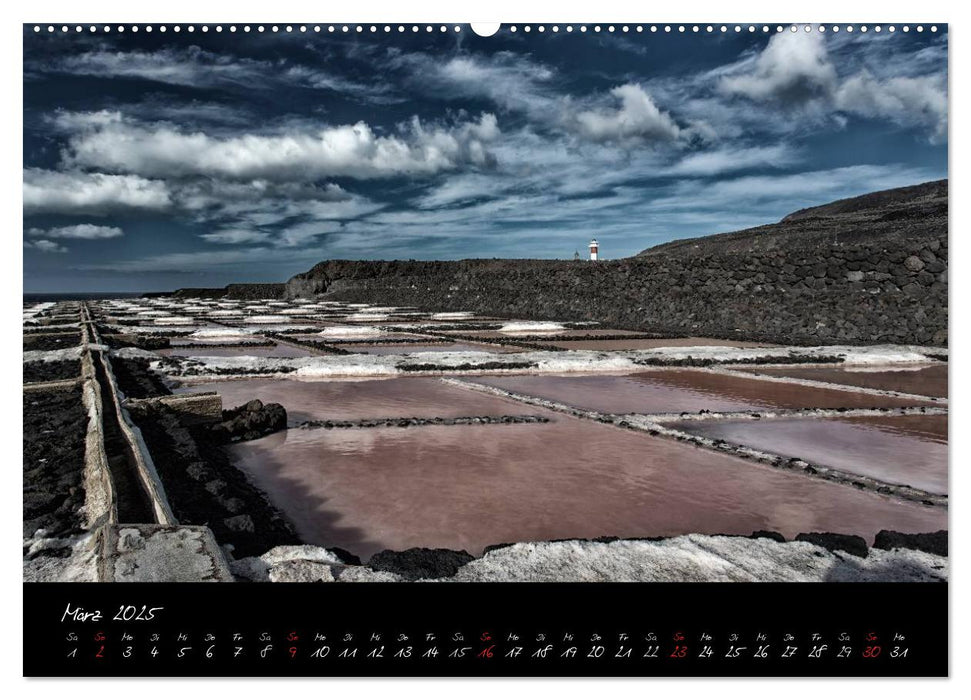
(250, 291)
(862, 293)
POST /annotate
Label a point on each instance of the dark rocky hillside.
(871, 269)
(889, 218)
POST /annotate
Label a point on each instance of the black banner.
(446, 629)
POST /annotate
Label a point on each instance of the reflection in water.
(470, 486)
(279, 350)
(436, 348)
(673, 391)
(922, 380)
(907, 450)
(650, 343)
(423, 397)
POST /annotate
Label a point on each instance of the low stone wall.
(863, 293)
(192, 408)
(254, 291)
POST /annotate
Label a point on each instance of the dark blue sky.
(154, 161)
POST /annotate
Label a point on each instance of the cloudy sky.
(153, 161)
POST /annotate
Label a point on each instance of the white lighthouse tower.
(594, 249)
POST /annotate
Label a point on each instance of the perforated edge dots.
(455, 28)
(244, 28)
(712, 29)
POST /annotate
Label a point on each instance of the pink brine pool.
(925, 381)
(903, 450)
(676, 391)
(424, 397)
(465, 487)
(279, 350)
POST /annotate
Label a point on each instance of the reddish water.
(904, 454)
(651, 343)
(674, 391)
(362, 337)
(470, 486)
(932, 428)
(280, 350)
(499, 335)
(926, 381)
(443, 347)
(423, 397)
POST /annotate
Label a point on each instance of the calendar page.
(485, 350)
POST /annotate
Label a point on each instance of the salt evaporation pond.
(421, 397)
(465, 487)
(441, 347)
(923, 380)
(279, 350)
(912, 453)
(652, 343)
(677, 390)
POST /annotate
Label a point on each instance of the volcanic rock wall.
(244, 290)
(879, 292)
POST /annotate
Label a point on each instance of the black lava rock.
(345, 556)
(768, 534)
(930, 542)
(834, 542)
(501, 545)
(250, 421)
(418, 562)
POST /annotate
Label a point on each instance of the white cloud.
(794, 68)
(110, 142)
(908, 101)
(731, 159)
(195, 67)
(87, 232)
(75, 192)
(236, 236)
(45, 246)
(511, 81)
(636, 120)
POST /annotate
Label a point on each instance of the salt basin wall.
(241, 290)
(872, 269)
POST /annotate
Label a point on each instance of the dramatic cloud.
(796, 69)
(73, 192)
(194, 67)
(85, 232)
(109, 142)
(732, 159)
(45, 246)
(636, 120)
(236, 236)
(909, 101)
(793, 69)
(511, 81)
(259, 158)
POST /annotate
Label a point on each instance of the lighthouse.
(594, 248)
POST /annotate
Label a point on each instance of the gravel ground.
(51, 371)
(55, 424)
(51, 342)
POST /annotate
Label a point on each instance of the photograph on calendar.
(573, 303)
